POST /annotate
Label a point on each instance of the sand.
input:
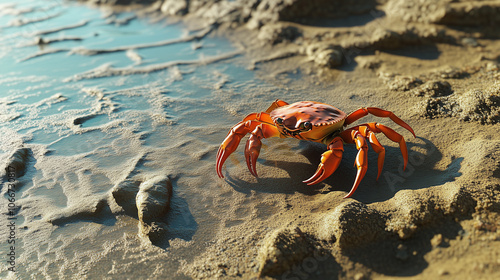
(439, 71)
(435, 65)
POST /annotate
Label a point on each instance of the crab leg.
(391, 134)
(374, 143)
(276, 104)
(356, 115)
(379, 149)
(361, 160)
(253, 145)
(330, 160)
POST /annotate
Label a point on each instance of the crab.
(317, 122)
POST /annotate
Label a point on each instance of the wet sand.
(438, 71)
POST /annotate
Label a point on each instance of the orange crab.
(318, 122)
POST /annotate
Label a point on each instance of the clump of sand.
(481, 105)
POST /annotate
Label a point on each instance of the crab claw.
(330, 160)
(254, 143)
(230, 144)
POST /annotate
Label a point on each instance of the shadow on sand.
(419, 173)
(390, 255)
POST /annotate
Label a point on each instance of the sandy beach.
(139, 196)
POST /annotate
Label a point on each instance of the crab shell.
(308, 120)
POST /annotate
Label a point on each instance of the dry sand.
(435, 65)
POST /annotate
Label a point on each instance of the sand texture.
(139, 196)
(435, 64)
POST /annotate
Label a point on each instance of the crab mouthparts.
(293, 131)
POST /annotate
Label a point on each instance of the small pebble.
(437, 240)
(359, 276)
(443, 272)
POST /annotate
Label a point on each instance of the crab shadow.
(289, 185)
(420, 172)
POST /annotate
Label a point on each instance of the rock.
(469, 41)
(153, 202)
(360, 276)
(16, 163)
(328, 58)
(147, 201)
(326, 55)
(492, 67)
(124, 193)
(40, 41)
(437, 240)
(153, 199)
(443, 272)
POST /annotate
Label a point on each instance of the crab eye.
(279, 121)
(307, 125)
